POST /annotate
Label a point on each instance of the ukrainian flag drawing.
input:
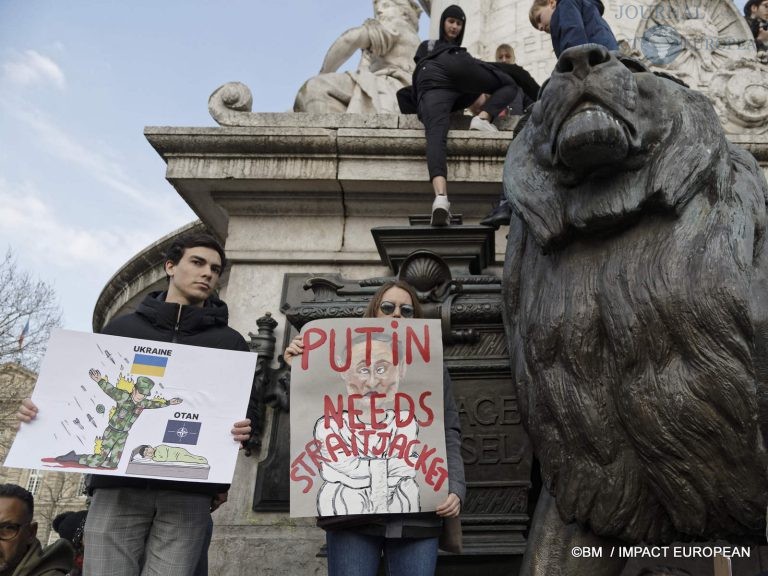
(147, 365)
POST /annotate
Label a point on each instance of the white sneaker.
(478, 123)
(441, 211)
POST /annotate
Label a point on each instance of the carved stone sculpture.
(388, 44)
(636, 296)
(740, 93)
(710, 47)
(709, 34)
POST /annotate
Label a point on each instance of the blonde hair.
(534, 11)
(506, 47)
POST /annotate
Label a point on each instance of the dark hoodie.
(432, 48)
(434, 76)
(55, 560)
(156, 319)
(408, 97)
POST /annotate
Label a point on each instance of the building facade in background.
(54, 492)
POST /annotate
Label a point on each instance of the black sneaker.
(68, 457)
(498, 217)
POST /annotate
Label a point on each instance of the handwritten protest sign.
(128, 407)
(367, 433)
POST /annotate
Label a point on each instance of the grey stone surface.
(244, 118)
(322, 166)
(739, 90)
(277, 548)
(634, 283)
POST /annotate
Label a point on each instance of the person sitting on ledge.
(448, 78)
(505, 53)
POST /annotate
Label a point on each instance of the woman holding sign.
(408, 542)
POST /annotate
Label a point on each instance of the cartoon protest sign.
(123, 406)
(367, 433)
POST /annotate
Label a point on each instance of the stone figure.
(388, 43)
(636, 296)
(693, 41)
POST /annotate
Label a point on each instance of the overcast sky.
(81, 190)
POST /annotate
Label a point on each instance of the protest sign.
(129, 407)
(367, 433)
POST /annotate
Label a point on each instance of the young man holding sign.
(139, 525)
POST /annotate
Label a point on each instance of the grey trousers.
(136, 532)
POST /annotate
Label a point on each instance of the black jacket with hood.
(156, 319)
(430, 49)
(407, 97)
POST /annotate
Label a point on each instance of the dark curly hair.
(15, 491)
(748, 7)
(192, 240)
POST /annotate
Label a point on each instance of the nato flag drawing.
(181, 432)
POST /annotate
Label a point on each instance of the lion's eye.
(634, 66)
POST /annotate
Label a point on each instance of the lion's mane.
(635, 307)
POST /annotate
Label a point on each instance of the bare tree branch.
(22, 299)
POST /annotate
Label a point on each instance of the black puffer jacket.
(155, 319)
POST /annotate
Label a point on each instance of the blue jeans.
(353, 554)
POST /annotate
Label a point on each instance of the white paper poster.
(129, 407)
(367, 434)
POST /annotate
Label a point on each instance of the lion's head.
(636, 297)
(601, 119)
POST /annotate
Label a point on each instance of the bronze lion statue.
(636, 296)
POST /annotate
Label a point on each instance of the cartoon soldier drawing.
(129, 406)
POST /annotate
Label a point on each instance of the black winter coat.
(155, 319)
